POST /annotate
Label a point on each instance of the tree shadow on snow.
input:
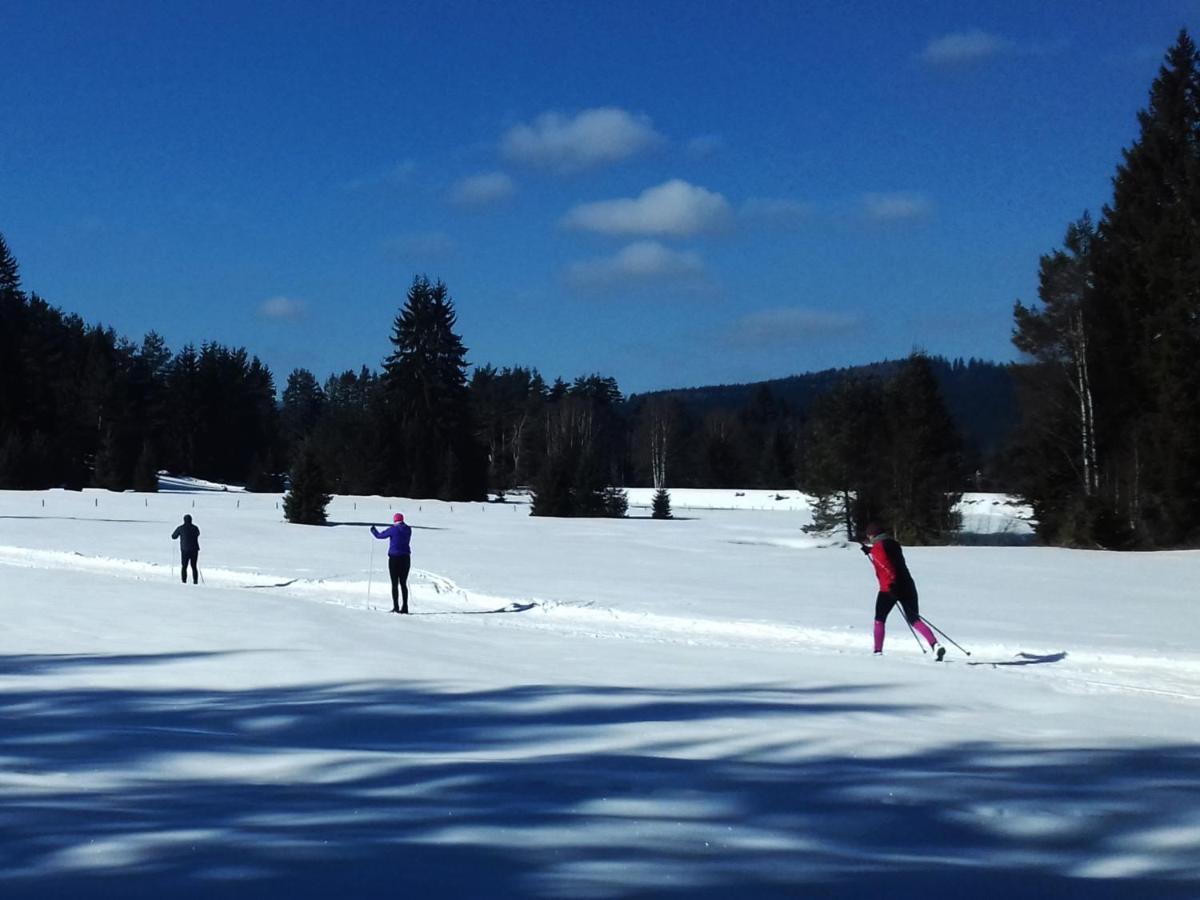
(412, 789)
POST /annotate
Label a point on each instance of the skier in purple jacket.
(399, 536)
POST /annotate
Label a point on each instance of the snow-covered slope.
(588, 708)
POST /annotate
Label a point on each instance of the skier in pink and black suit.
(895, 586)
(399, 536)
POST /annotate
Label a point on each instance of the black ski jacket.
(188, 536)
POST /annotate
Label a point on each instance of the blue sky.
(671, 193)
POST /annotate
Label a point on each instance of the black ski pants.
(907, 598)
(398, 567)
(190, 557)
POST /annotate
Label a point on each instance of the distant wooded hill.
(980, 395)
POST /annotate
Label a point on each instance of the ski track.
(1076, 671)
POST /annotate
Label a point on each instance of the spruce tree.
(552, 495)
(661, 504)
(843, 454)
(13, 317)
(307, 498)
(300, 411)
(922, 457)
(616, 502)
(1146, 307)
(884, 450)
(10, 276)
(425, 385)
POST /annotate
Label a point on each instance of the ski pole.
(904, 616)
(370, 571)
(946, 636)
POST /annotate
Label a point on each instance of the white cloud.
(674, 208)
(787, 326)
(964, 48)
(898, 206)
(641, 264)
(482, 190)
(776, 212)
(594, 137)
(282, 308)
(418, 246)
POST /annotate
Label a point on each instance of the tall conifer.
(307, 496)
(1146, 308)
(432, 441)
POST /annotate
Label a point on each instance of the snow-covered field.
(586, 708)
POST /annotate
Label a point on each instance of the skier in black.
(188, 536)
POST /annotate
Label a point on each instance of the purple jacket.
(400, 535)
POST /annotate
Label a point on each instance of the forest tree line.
(1106, 449)
(82, 406)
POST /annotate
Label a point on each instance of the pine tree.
(300, 411)
(616, 502)
(923, 458)
(306, 500)
(10, 276)
(1146, 309)
(842, 453)
(887, 451)
(552, 494)
(13, 316)
(425, 386)
(661, 504)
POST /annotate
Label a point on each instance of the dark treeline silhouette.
(980, 395)
(82, 406)
(1108, 450)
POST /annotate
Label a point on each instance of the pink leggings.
(908, 606)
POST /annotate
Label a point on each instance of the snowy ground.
(585, 709)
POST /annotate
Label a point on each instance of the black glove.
(865, 549)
